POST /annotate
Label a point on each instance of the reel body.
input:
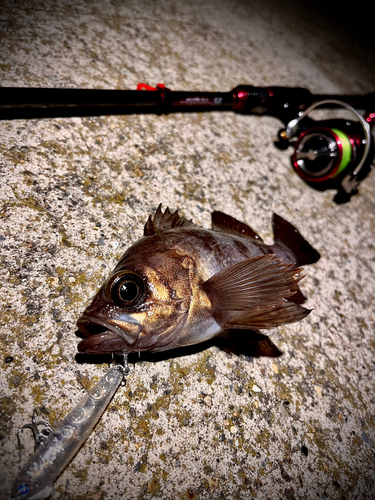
(330, 154)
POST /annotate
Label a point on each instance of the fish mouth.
(92, 326)
(103, 343)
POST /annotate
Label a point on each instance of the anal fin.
(248, 343)
(297, 297)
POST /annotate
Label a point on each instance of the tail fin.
(289, 236)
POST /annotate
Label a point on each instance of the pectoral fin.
(255, 293)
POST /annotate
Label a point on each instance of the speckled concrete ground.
(75, 192)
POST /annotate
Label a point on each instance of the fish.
(182, 284)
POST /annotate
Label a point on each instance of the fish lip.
(94, 321)
(85, 345)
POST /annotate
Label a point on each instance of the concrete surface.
(75, 192)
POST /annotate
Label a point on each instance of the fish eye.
(126, 289)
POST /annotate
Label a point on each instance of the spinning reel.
(330, 154)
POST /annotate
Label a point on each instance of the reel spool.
(323, 153)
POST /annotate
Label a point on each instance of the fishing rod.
(281, 102)
(328, 154)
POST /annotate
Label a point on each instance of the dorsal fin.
(166, 220)
(289, 236)
(224, 222)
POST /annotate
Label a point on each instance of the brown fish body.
(182, 284)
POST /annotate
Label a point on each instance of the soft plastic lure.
(35, 480)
